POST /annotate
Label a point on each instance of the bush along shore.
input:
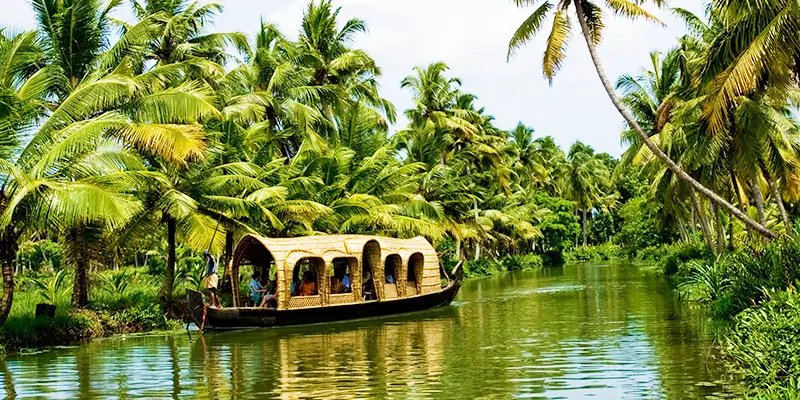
(124, 301)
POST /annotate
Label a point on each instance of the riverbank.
(129, 306)
(486, 267)
(754, 288)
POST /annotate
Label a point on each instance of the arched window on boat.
(342, 280)
(306, 277)
(393, 264)
(252, 256)
(416, 265)
(370, 259)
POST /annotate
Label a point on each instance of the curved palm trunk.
(169, 275)
(779, 200)
(739, 196)
(80, 289)
(703, 221)
(759, 200)
(649, 143)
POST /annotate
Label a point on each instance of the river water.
(609, 331)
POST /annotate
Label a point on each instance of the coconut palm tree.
(586, 181)
(345, 74)
(589, 16)
(181, 32)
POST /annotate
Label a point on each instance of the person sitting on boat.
(271, 299)
(340, 282)
(309, 286)
(257, 291)
(368, 288)
(390, 278)
(211, 278)
(294, 290)
(346, 283)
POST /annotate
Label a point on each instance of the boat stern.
(196, 302)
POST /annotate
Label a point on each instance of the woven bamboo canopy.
(413, 263)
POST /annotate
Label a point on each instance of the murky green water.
(609, 331)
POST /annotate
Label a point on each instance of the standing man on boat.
(212, 278)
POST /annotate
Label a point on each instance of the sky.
(471, 36)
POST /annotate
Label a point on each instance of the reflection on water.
(603, 330)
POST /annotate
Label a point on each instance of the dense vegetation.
(128, 147)
(125, 155)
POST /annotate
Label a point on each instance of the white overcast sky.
(471, 36)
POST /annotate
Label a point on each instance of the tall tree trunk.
(702, 217)
(458, 250)
(720, 231)
(477, 250)
(80, 289)
(583, 226)
(694, 222)
(759, 200)
(682, 231)
(8, 250)
(169, 275)
(779, 200)
(730, 234)
(739, 196)
(587, 35)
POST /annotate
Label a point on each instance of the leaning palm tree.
(589, 16)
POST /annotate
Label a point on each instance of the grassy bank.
(120, 302)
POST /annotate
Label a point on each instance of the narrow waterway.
(608, 330)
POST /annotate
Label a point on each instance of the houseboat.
(353, 276)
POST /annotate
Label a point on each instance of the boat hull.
(247, 317)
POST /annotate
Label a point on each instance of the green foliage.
(764, 345)
(639, 227)
(488, 267)
(522, 262)
(44, 255)
(55, 288)
(560, 226)
(601, 252)
(481, 268)
(736, 281)
(116, 283)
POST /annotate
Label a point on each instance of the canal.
(606, 330)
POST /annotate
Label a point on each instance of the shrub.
(553, 258)
(522, 262)
(736, 281)
(640, 226)
(600, 252)
(764, 344)
(482, 267)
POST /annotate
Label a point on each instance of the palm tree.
(345, 74)
(181, 37)
(589, 17)
(21, 103)
(586, 181)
